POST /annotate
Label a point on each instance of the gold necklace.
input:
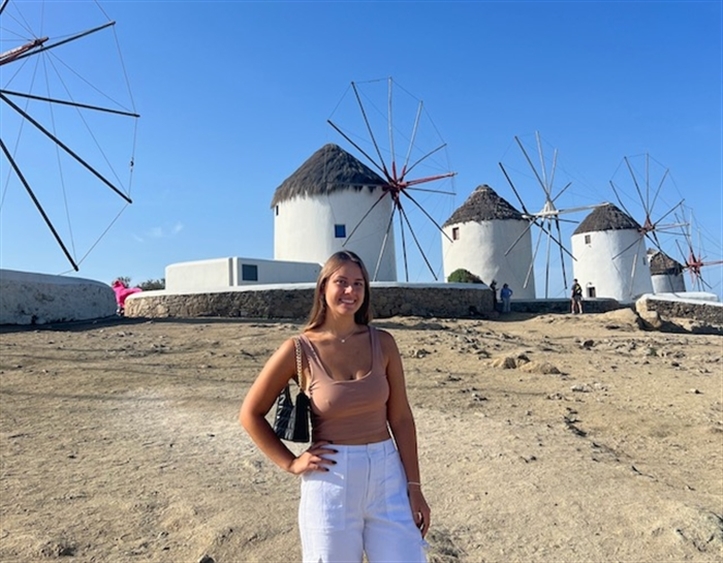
(343, 340)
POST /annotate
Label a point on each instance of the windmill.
(398, 140)
(65, 138)
(666, 273)
(548, 219)
(639, 176)
(694, 261)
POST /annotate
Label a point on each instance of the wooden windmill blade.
(645, 198)
(368, 212)
(532, 262)
(397, 174)
(62, 115)
(548, 219)
(616, 192)
(637, 242)
(369, 159)
(385, 242)
(545, 187)
(562, 258)
(658, 226)
(694, 261)
(640, 246)
(519, 237)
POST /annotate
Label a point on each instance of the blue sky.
(235, 96)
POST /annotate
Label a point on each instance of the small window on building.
(340, 231)
(455, 233)
(249, 272)
(587, 239)
(591, 291)
(277, 210)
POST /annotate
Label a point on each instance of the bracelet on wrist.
(414, 483)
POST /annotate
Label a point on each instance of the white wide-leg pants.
(359, 506)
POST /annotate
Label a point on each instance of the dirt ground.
(555, 438)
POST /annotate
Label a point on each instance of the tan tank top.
(351, 410)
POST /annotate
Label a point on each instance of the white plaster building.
(334, 202)
(223, 273)
(482, 231)
(610, 256)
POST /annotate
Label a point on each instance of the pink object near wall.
(122, 292)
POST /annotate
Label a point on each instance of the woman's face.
(344, 291)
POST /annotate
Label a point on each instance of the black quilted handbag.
(291, 421)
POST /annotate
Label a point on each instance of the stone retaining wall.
(443, 301)
(706, 312)
(562, 306)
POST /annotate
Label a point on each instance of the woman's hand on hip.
(313, 459)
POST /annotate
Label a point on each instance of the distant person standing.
(576, 298)
(506, 295)
(493, 287)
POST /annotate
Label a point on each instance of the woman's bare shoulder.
(311, 334)
(386, 339)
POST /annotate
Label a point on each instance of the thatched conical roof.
(606, 218)
(329, 169)
(662, 264)
(483, 204)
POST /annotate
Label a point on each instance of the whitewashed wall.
(668, 283)
(605, 264)
(204, 275)
(273, 271)
(30, 298)
(304, 229)
(200, 274)
(481, 248)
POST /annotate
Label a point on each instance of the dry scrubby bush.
(153, 284)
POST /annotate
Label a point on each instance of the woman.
(360, 485)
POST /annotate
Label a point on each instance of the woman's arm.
(262, 395)
(401, 423)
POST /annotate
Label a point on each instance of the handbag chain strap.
(299, 366)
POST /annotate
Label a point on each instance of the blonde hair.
(317, 316)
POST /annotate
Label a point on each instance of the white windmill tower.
(318, 206)
(477, 236)
(607, 261)
(630, 262)
(666, 273)
(548, 219)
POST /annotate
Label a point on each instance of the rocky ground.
(550, 438)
